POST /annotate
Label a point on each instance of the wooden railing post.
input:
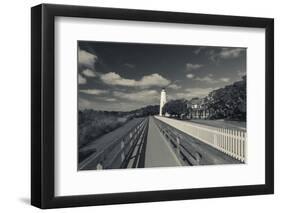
(198, 158)
(178, 145)
(122, 149)
(99, 166)
(244, 147)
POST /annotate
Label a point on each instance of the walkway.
(158, 152)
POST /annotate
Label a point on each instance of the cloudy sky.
(127, 76)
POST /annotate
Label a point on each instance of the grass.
(94, 124)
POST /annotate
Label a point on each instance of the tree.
(176, 107)
(146, 111)
(228, 102)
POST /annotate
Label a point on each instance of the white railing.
(229, 141)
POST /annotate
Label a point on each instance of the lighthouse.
(163, 100)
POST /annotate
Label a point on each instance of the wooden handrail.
(100, 159)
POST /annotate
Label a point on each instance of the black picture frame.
(43, 105)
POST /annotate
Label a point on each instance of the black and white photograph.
(160, 105)
(148, 104)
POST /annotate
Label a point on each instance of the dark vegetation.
(228, 102)
(225, 103)
(176, 108)
(93, 124)
(146, 111)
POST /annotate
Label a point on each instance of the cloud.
(199, 92)
(226, 80)
(241, 73)
(110, 99)
(84, 104)
(141, 96)
(181, 95)
(89, 73)
(87, 59)
(155, 79)
(113, 78)
(198, 50)
(190, 75)
(174, 86)
(94, 91)
(193, 92)
(225, 53)
(191, 67)
(81, 79)
(230, 52)
(209, 79)
(129, 65)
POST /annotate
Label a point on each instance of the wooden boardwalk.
(158, 152)
(149, 142)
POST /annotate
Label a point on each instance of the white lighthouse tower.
(163, 100)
